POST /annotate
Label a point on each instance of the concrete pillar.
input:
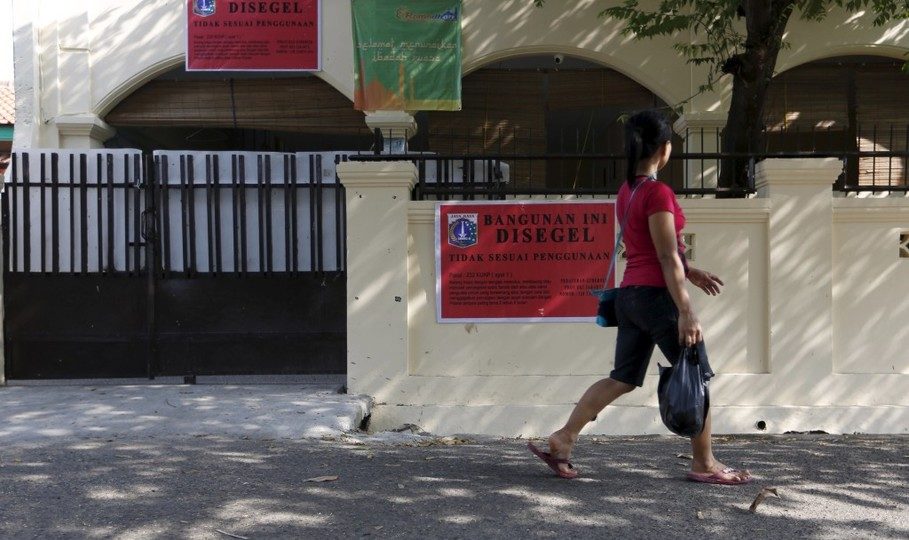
(701, 132)
(800, 272)
(397, 128)
(27, 75)
(378, 195)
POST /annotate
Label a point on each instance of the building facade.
(801, 338)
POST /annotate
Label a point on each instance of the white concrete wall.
(870, 297)
(809, 332)
(75, 61)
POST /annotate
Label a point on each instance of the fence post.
(378, 196)
(800, 273)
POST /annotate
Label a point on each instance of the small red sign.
(522, 261)
(225, 35)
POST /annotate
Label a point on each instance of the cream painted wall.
(730, 235)
(798, 338)
(79, 59)
(870, 308)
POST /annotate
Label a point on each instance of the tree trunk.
(752, 71)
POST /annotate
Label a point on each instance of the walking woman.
(652, 306)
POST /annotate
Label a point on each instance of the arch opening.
(844, 103)
(237, 111)
(544, 104)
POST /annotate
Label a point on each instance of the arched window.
(851, 103)
(214, 111)
(534, 105)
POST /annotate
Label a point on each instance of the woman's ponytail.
(645, 133)
(633, 149)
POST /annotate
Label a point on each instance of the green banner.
(407, 55)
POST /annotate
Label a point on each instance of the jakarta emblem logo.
(204, 8)
(462, 230)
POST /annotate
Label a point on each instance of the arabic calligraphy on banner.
(407, 55)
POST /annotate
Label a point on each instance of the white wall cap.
(378, 174)
(797, 172)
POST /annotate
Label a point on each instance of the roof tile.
(7, 104)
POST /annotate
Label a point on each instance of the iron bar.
(295, 250)
(319, 214)
(235, 210)
(216, 183)
(269, 251)
(163, 185)
(55, 213)
(184, 218)
(191, 211)
(83, 214)
(43, 223)
(126, 214)
(260, 211)
(312, 214)
(139, 167)
(11, 229)
(209, 203)
(109, 162)
(99, 211)
(287, 210)
(242, 182)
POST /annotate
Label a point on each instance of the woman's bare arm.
(662, 231)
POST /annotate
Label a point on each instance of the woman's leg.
(595, 399)
(633, 349)
(665, 334)
(703, 460)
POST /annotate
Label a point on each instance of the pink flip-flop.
(719, 478)
(553, 462)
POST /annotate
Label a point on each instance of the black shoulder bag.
(606, 308)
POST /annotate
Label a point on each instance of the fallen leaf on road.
(379, 527)
(700, 515)
(761, 496)
(683, 456)
(322, 479)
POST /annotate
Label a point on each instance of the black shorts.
(647, 316)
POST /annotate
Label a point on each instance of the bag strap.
(622, 230)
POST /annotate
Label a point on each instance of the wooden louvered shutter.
(300, 104)
(883, 122)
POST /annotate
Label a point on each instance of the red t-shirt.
(643, 266)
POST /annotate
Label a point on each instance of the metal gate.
(118, 264)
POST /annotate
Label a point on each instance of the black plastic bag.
(683, 395)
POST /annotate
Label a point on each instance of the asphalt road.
(217, 487)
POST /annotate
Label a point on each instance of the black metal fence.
(444, 177)
(258, 214)
(121, 264)
(874, 159)
(76, 215)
